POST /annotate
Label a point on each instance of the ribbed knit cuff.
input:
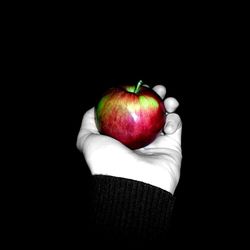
(124, 208)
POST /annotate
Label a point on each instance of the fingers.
(171, 103)
(160, 90)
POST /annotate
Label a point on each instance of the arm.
(132, 192)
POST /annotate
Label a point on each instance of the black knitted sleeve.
(124, 209)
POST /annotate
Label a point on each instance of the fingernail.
(169, 128)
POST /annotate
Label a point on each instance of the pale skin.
(157, 164)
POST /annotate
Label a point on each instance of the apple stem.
(138, 86)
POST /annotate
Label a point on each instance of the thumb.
(88, 127)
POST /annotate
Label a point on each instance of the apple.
(133, 115)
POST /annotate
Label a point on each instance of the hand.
(157, 164)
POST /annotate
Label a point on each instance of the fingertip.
(171, 104)
(160, 90)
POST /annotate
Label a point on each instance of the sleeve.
(124, 209)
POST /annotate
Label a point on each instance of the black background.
(61, 71)
(200, 195)
(60, 176)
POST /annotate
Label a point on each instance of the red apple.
(134, 115)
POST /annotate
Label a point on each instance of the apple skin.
(133, 115)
